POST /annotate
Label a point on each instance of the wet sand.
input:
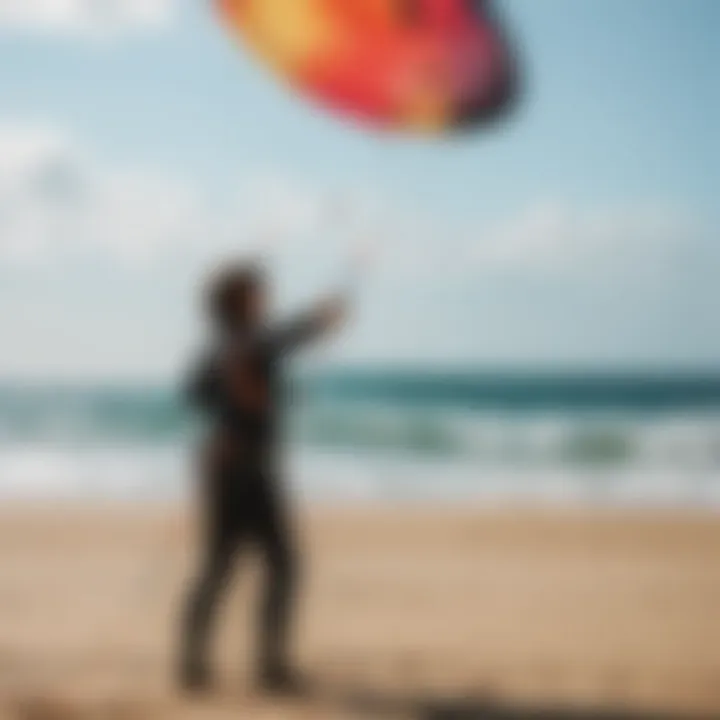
(404, 613)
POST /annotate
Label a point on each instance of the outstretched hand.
(333, 312)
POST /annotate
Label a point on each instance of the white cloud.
(59, 201)
(544, 238)
(556, 236)
(85, 17)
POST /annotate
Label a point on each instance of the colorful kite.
(416, 65)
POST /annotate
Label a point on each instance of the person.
(238, 386)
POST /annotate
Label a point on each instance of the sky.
(140, 145)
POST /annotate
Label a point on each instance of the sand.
(413, 613)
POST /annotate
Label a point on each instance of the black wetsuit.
(243, 502)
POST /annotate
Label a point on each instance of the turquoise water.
(390, 434)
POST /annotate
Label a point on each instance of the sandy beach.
(405, 613)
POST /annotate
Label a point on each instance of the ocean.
(367, 436)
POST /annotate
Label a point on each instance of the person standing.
(238, 387)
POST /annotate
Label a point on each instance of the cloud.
(59, 201)
(85, 17)
(555, 236)
(544, 238)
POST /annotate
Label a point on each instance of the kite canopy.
(415, 65)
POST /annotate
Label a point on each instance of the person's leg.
(199, 613)
(202, 602)
(273, 534)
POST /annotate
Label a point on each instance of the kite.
(428, 66)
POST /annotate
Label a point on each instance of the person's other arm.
(199, 388)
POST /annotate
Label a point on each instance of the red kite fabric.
(418, 65)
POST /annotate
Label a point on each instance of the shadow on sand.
(376, 705)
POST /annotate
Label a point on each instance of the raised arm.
(306, 327)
